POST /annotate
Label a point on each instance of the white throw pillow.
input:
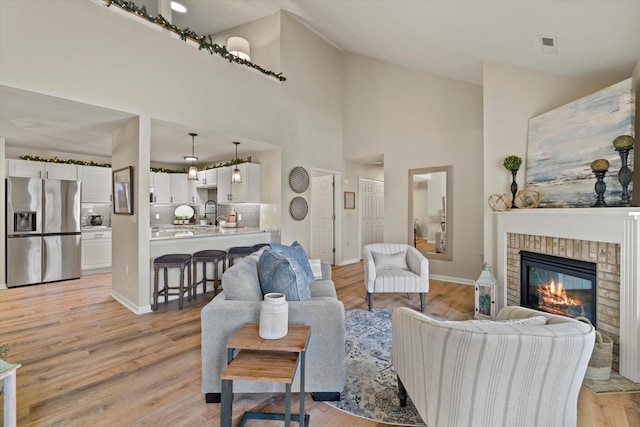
(396, 261)
(316, 268)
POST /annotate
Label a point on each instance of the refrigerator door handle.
(44, 259)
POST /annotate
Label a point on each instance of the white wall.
(513, 95)
(131, 233)
(417, 119)
(270, 188)
(311, 114)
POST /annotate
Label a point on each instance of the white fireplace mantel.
(610, 225)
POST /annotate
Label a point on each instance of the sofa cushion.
(284, 274)
(323, 288)
(240, 282)
(397, 261)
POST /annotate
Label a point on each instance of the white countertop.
(197, 231)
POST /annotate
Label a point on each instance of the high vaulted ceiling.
(597, 40)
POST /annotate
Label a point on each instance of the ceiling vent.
(549, 45)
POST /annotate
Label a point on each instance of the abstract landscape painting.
(563, 142)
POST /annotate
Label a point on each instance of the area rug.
(371, 389)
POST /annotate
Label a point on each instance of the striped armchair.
(510, 372)
(395, 267)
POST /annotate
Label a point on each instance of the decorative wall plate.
(298, 208)
(299, 179)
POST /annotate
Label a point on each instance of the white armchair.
(523, 373)
(395, 267)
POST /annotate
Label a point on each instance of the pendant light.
(192, 174)
(236, 178)
(239, 47)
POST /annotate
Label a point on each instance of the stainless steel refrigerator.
(43, 230)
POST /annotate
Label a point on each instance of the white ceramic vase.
(274, 317)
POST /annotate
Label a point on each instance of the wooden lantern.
(485, 287)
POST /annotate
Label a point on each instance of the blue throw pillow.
(297, 253)
(279, 273)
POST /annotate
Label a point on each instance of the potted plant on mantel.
(512, 163)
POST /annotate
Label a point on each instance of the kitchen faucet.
(215, 218)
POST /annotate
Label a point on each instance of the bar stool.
(171, 261)
(260, 246)
(214, 256)
(238, 252)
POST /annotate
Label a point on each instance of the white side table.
(8, 377)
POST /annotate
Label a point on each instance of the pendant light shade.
(239, 47)
(236, 178)
(192, 174)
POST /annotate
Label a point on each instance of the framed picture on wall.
(349, 200)
(123, 191)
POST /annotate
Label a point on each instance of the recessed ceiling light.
(178, 7)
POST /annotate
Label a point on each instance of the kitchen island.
(187, 239)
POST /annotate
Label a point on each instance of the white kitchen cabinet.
(179, 188)
(35, 169)
(207, 178)
(96, 250)
(96, 184)
(248, 191)
(202, 179)
(61, 171)
(25, 168)
(197, 195)
(161, 184)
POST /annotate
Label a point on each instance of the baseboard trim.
(349, 261)
(137, 310)
(452, 279)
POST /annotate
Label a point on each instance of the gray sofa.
(239, 303)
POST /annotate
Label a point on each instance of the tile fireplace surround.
(594, 229)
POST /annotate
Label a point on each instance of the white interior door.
(372, 211)
(322, 218)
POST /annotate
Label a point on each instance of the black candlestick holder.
(624, 176)
(514, 189)
(600, 188)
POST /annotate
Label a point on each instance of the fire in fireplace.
(558, 285)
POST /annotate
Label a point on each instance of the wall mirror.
(430, 211)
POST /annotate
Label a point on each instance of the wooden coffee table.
(265, 360)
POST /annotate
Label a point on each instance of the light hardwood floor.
(87, 360)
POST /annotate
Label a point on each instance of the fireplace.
(608, 237)
(558, 285)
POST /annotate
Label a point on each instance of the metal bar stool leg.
(166, 285)
(154, 306)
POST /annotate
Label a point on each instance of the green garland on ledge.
(65, 161)
(209, 46)
(107, 165)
